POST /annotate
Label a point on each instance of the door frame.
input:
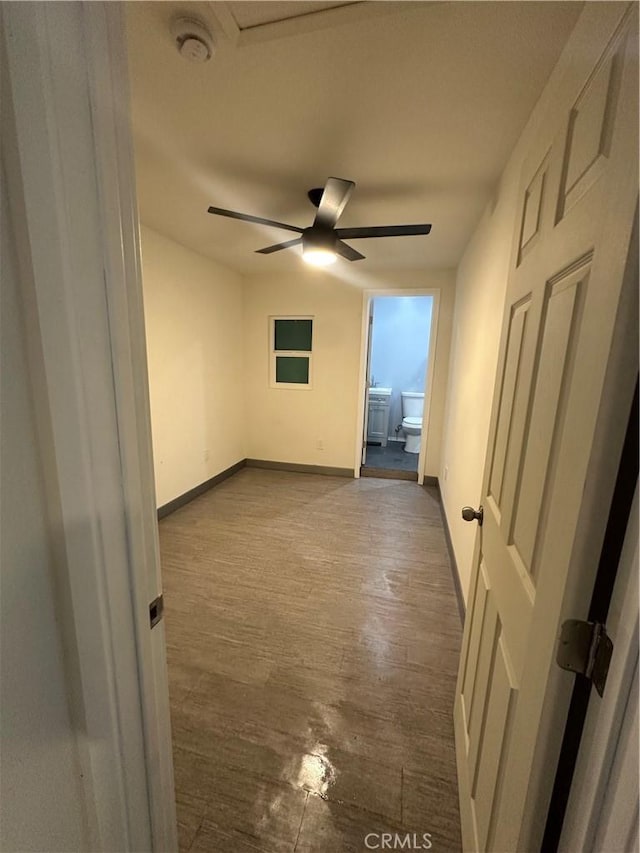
(367, 368)
(71, 187)
(367, 296)
(585, 817)
(613, 571)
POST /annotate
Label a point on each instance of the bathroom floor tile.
(391, 456)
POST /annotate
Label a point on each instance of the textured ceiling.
(420, 106)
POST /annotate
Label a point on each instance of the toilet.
(412, 406)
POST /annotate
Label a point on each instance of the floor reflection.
(317, 774)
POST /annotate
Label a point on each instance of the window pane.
(292, 368)
(293, 335)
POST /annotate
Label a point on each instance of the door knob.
(471, 514)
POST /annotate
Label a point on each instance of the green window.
(292, 368)
(291, 352)
(293, 335)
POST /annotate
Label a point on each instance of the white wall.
(286, 425)
(480, 291)
(194, 325)
(399, 348)
(481, 285)
(41, 798)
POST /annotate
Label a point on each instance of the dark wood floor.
(313, 638)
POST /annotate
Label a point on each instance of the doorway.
(398, 357)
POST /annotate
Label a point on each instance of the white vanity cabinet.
(378, 416)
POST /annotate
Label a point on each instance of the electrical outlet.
(319, 444)
(446, 472)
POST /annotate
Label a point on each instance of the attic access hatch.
(249, 15)
(245, 23)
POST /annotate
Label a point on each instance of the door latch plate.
(156, 609)
(586, 649)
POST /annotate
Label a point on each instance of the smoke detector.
(193, 39)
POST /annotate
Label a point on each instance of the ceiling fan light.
(318, 247)
(319, 257)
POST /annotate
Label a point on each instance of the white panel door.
(577, 203)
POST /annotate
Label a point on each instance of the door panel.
(495, 733)
(487, 696)
(517, 413)
(478, 695)
(591, 127)
(511, 381)
(478, 616)
(577, 201)
(557, 337)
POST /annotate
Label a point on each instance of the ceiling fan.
(322, 242)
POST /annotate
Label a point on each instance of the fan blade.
(347, 252)
(232, 214)
(337, 192)
(383, 231)
(270, 249)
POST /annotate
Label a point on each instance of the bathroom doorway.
(399, 343)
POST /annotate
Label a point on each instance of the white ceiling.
(419, 103)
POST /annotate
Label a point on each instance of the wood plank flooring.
(313, 639)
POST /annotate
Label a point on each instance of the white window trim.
(273, 353)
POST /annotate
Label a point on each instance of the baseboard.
(433, 481)
(388, 473)
(181, 500)
(299, 468)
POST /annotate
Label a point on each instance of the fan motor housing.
(319, 238)
(315, 196)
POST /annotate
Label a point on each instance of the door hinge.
(585, 648)
(156, 609)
